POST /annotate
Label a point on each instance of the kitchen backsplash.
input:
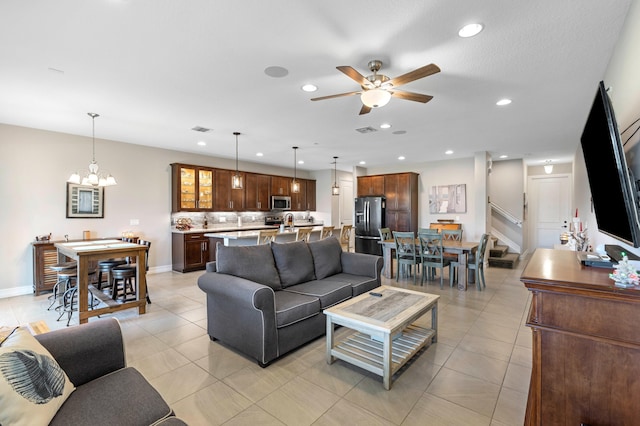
(222, 219)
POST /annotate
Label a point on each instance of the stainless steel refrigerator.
(369, 213)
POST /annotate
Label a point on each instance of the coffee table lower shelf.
(367, 353)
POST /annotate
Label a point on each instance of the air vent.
(201, 129)
(368, 129)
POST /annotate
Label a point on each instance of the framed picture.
(448, 199)
(85, 201)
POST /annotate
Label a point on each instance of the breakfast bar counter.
(246, 238)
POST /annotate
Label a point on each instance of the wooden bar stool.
(105, 266)
(126, 272)
(327, 231)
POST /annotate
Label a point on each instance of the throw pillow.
(294, 262)
(327, 255)
(32, 384)
(254, 263)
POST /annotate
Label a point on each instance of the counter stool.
(69, 297)
(105, 266)
(124, 274)
(62, 280)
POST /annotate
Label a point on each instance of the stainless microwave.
(280, 202)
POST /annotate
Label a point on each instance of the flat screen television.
(613, 187)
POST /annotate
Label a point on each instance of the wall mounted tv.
(613, 188)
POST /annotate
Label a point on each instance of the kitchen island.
(250, 237)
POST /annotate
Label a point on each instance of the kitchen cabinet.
(280, 185)
(228, 199)
(299, 199)
(192, 188)
(257, 192)
(401, 194)
(190, 251)
(370, 185)
(311, 195)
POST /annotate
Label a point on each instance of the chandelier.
(93, 177)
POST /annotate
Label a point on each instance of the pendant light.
(548, 167)
(236, 180)
(335, 189)
(93, 177)
(295, 185)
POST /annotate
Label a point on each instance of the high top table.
(84, 252)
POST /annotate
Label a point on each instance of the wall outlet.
(457, 218)
(134, 222)
(223, 219)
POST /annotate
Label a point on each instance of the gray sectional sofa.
(267, 300)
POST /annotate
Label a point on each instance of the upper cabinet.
(280, 185)
(257, 192)
(370, 185)
(228, 199)
(401, 193)
(192, 188)
(311, 195)
(306, 198)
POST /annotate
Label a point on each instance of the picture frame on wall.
(85, 202)
(448, 199)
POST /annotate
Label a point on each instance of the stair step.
(508, 260)
(498, 251)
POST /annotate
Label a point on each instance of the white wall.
(35, 167)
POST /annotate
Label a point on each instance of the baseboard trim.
(15, 291)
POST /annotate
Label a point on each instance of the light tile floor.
(477, 374)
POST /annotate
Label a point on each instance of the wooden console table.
(586, 344)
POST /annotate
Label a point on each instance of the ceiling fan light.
(375, 98)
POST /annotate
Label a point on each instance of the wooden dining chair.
(432, 256)
(303, 234)
(452, 235)
(345, 237)
(327, 231)
(266, 236)
(385, 234)
(407, 253)
(476, 261)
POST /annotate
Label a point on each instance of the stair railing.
(503, 212)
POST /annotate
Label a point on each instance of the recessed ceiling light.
(401, 157)
(259, 154)
(309, 88)
(202, 143)
(363, 162)
(470, 30)
(504, 156)
(300, 161)
(448, 152)
(385, 126)
(503, 102)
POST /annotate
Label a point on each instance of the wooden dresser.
(445, 225)
(586, 344)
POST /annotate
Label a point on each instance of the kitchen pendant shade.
(295, 185)
(335, 189)
(236, 180)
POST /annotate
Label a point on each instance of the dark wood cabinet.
(370, 185)
(191, 188)
(299, 199)
(191, 251)
(280, 185)
(401, 193)
(311, 195)
(257, 192)
(228, 199)
(44, 255)
(586, 345)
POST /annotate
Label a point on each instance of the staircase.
(500, 257)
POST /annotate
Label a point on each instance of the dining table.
(461, 248)
(85, 252)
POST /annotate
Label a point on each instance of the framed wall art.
(448, 199)
(85, 201)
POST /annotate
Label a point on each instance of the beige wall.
(35, 167)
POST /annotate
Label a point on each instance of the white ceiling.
(154, 69)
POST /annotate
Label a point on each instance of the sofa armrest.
(367, 265)
(212, 267)
(242, 314)
(87, 351)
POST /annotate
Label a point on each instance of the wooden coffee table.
(386, 338)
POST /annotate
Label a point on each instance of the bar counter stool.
(125, 273)
(266, 236)
(69, 297)
(63, 281)
(105, 266)
(303, 234)
(327, 231)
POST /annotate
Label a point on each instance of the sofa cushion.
(358, 283)
(254, 263)
(293, 307)
(123, 396)
(328, 292)
(31, 381)
(294, 262)
(326, 257)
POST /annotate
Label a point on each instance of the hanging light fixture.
(295, 185)
(548, 167)
(93, 177)
(375, 98)
(335, 189)
(236, 180)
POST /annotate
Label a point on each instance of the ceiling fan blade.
(339, 95)
(416, 74)
(365, 110)
(410, 96)
(354, 75)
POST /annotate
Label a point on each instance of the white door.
(346, 202)
(549, 209)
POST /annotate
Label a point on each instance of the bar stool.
(126, 272)
(105, 266)
(62, 280)
(69, 297)
(327, 231)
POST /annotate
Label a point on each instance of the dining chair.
(266, 236)
(407, 254)
(452, 235)
(303, 234)
(126, 272)
(428, 231)
(432, 256)
(345, 237)
(385, 234)
(476, 261)
(326, 232)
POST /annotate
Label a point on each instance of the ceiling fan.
(377, 89)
